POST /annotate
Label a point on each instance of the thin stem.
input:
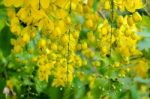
(112, 17)
(68, 45)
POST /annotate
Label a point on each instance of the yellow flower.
(132, 5)
(26, 38)
(91, 37)
(120, 4)
(122, 73)
(120, 20)
(11, 13)
(74, 4)
(17, 49)
(91, 80)
(42, 43)
(79, 9)
(137, 17)
(34, 4)
(89, 23)
(54, 46)
(81, 75)
(89, 95)
(116, 64)
(65, 39)
(124, 51)
(62, 3)
(8, 3)
(90, 3)
(44, 72)
(15, 29)
(130, 20)
(10, 84)
(18, 3)
(104, 50)
(141, 68)
(68, 20)
(104, 31)
(57, 32)
(61, 13)
(62, 74)
(23, 14)
(96, 63)
(76, 34)
(84, 45)
(107, 5)
(45, 3)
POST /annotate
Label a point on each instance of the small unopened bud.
(137, 17)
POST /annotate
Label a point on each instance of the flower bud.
(137, 17)
(130, 21)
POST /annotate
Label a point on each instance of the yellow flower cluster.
(49, 26)
(55, 29)
(105, 39)
(141, 68)
(130, 5)
(126, 37)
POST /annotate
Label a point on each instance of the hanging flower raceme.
(63, 37)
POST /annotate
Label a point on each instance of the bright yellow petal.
(44, 3)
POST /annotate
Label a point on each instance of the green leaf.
(5, 45)
(54, 92)
(145, 81)
(2, 85)
(2, 24)
(95, 5)
(146, 53)
(134, 92)
(40, 85)
(146, 21)
(144, 43)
